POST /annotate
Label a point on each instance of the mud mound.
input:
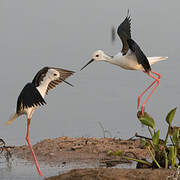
(114, 174)
(71, 149)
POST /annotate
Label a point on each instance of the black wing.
(141, 57)
(29, 97)
(63, 74)
(124, 32)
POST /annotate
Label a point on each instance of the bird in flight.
(131, 57)
(32, 96)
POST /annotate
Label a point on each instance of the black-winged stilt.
(131, 57)
(33, 95)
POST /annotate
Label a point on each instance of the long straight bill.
(66, 82)
(87, 64)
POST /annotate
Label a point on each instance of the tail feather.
(12, 118)
(153, 60)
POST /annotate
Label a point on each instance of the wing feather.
(29, 97)
(124, 32)
(64, 74)
(141, 57)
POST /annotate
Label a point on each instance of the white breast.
(42, 88)
(128, 62)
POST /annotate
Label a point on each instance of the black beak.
(87, 64)
(66, 82)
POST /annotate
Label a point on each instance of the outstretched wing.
(64, 74)
(141, 57)
(29, 97)
(124, 32)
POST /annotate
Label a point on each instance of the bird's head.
(55, 74)
(98, 55)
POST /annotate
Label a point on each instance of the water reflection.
(18, 169)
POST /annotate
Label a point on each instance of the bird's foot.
(41, 174)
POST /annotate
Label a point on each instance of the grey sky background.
(34, 34)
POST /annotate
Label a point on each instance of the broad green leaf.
(155, 138)
(175, 135)
(170, 116)
(171, 154)
(147, 120)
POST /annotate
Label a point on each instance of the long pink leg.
(159, 75)
(28, 141)
(139, 97)
(156, 80)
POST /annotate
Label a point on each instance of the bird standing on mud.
(131, 57)
(33, 95)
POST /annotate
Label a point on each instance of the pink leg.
(156, 80)
(159, 75)
(139, 97)
(28, 141)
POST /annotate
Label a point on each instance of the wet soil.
(64, 150)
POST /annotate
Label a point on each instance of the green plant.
(163, 155)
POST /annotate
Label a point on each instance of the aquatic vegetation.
(163, 153)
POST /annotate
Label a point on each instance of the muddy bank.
(115, 174)
(64, 150)
(67, 149)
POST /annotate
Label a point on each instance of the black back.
(141, 57)
(29, 97)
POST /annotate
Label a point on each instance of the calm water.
(65, 34)
(18, 169)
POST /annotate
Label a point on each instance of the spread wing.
(29, 97)
(64, 74)
(124, 32)
(141, 57)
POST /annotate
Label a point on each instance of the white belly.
(128, 62)
(29, 111)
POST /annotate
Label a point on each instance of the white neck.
(42, 88)
(107, 58)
